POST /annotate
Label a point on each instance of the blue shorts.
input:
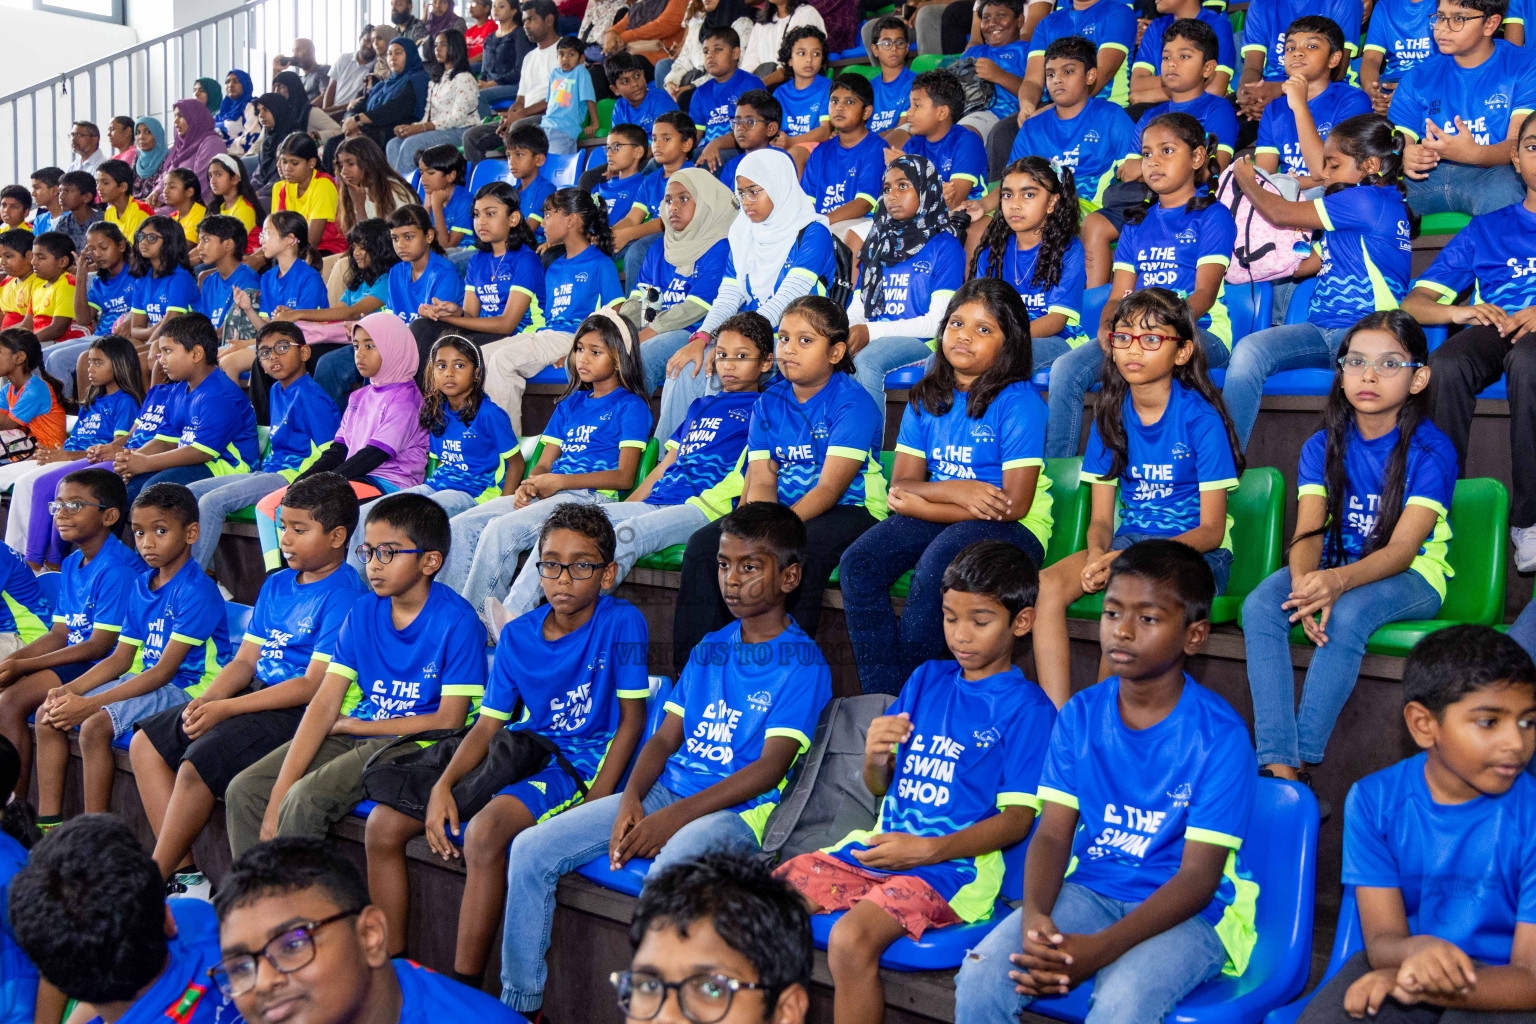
(74, 670)
(126, 712)
(545, 794)
(1219, 559)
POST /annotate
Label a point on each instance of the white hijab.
(760, 250)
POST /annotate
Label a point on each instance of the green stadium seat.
(1442, 224)
(929, 61)
(862, 70)
(604, 117)
(1069, 508)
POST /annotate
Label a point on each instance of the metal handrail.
(147, 78)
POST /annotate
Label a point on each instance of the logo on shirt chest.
(928, 769)
(712, 735)
(1128, 831)
(570, 712)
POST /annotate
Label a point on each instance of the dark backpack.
(841, 288)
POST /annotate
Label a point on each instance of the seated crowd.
(299, 307)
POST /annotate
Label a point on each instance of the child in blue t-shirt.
(290, 282)
(756, 128)
(1265, 63)
(621, 188)
(174, 639)
(1160, 460)
(1398, 37)
(409, 658)
(1361, 263)
(573, 671)
(1294, 126)
(1001, 60)
(257, 700)
(527, 149)
(742, 712)
(1146, 82)
(570, 100)
(638, 102)
(714, 100)
(163, 286)
(443, 195)
(1189, 62)
(221, 246)
(424, 275)
(104, 284)
(1438, 847)
(1355, 565)
(1110, 27)
(667, 298)
(970, 466)
(805, 95)
(955, 762)
(938, 101)
(1145, 797)
(843, 175)
(892, 87)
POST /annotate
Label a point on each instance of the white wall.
(29, 63)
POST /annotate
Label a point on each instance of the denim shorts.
(126, 712)
(1219, 559)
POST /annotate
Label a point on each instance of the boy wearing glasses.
(756, 125)
(409, 658)
(1461, 108)
(184, 757)
(301, 907)
(621, 190)
(577, 667)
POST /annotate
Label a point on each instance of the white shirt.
(762, 45)
(88, 163)
(349, 75)
(538, 68)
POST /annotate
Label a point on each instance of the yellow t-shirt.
(54, 299)
(243, 212)
(193, 219)
(16, 295)
(129, 220)
(319, 202)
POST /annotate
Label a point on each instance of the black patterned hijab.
(893, 241)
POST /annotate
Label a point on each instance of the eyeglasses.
(72, 508)
(746, 122)
(1454, 22)
(385, 555)
(149, 236)
(703, 998)
(282, 348)
(1147, 342)
(291, 951)
(750, 195)
(620, 145)
(1386, 367)
(578, 570)
(892, 44)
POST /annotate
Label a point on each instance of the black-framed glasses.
(1455, 22)
(150, 236)
(610, 147)
(578, 570)
(282, 348)
(1148, 342)
(1386, 367)
(703, 998)
(291, 951)
(72, 507)
(385, 555)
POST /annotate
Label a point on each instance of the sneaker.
(497, 616)
(1524, 540)
(193, 885)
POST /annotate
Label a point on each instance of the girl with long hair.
(233, 195)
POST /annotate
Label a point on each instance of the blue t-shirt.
(216, 418)
(189, 609)
(1366, 253)
(733, 698)
(569, 93)
(1011, 58)
(530, 202)
(657, 102)
(590, 431)
(620, 194)
(1277, 125)
(1169, 464)
(472, 457)
(804, 109)
(156, 297)
(183, 993)
(976, 748)
(152, 414)
(440, 280)
(1140, 794)
(296, 623)
(672, 286)
(575, 287)
(1093, 144)
(812, 255)
(1167, 248)
(304, 420)
(94, 595)
(1149, 54)
(892, 99)
(727, 173)
(1104, 23)
(18, 975)
(396, 673)
(1496, 253)
(1400, 32)
(913, 287)
(1009, 435)
(840, 419)
(492, 278)
(960, 153)
(1066, 297)
(709, 444)
(216, 293)
(1214, 113)
(714, 103)
(427, 997)
(111, 297)
(301, 288)
(1487, 98)
(104, 420)
(1467, 871)
(570, 688)
(378, 289)
(458, 212)
(835, 175)
(1430, 482)
(1267, 20)
(654, 189)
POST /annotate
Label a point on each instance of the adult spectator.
(453, 104)
(405, 22)
(650, 28)
(85, 143)
(598, 19)
(207, 92)
(540, 19)
(441, 17)
(306, 117)
(314, 74)
(841, 19)
(481, 24)
(120, 141)
(197, 142)
(399, 99)
(349, 75)
(236, 117)
(501, 58)
(760, 47)
(148, 156)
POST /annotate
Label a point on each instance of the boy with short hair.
(221, 246)
(174, 639)
(1146, 83)
(1265, 28)
(20, 283)
(1110, 27)
(1000, 59)
(184, 758)
(77, 191)
(639, 102)
(527, 149)
(1146, 793)
(672, 140)
(1295, 126)
(571, 101)
(409, 658)
(295, 885)
(45, 193)
(844, 175)
(1461, 109)
(15, 204)
(90, 611)
(714, 101)
(443, 193)
(735, 723)
(956, 760)
(892, 88)
(958, 153)
(90, 911)
(1399, 36)
(727, 911)
(756, 126)
(1439, 847)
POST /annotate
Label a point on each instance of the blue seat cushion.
(549, 375)
(904, 376)
(1497, 390)
(1288, 382)
(364, 809)
(629, 879)
(940, 949)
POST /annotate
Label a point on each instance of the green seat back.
(530, 447)
(648, 460)
(926, 62)
(1257, 508)
(1069, 508)
(862, 70)
(887, 465)
(1479, 524)
(604, 117)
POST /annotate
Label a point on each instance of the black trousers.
(700, 609)
(1327, 1005)
(1470, 361)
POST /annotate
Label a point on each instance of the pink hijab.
(196, 149)
(396, 345)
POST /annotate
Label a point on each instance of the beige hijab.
(712, 217)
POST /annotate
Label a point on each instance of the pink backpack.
(1263, 252)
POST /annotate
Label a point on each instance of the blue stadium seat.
(1300, 382)
(238, 617)
(1348, 939)
(485, 172)
(1094, 300)
(904, 376)
(1250, 307)
(1281, 854)
(1436, 336)
(500, 105)
(48, 583)
(416, 181)
(363, 809)
(563, 170)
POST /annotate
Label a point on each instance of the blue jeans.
(560, 143)
(1075, 372)
(336, 372)
(1045, 351)
(1141, 987)
(678, 393)
(880, 357)
(1463, 188)
(633, 255)
(543, 853)
(1218, 560)
(654, 354)
(1523, 630)
(450, 501)
(494, 94)
(59, 359)
(886, 651)
(1264, 353)
(401, 153)
(217, 497)
(1282, 734)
